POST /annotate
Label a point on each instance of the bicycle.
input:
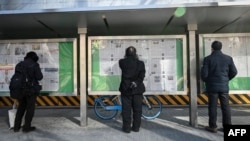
(107, 107)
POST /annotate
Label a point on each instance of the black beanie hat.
(131, 51)
(217, 45)
(32, 55)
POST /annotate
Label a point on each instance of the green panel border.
(102, 83)
(237, 83)
(109, 83)
(66, 63)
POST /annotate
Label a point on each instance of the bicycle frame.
(147, 103)
(113, 107)
(151, 106)
(119, 107)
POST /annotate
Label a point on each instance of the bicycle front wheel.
(101, 107)
(151, 107)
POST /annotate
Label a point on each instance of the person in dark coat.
(28, 99)
(217, 70)
(131, 88)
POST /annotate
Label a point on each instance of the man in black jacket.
(28, 99)
(217, 70)
(131, 88)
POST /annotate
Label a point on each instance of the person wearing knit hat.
(131, 88)
(28, 96)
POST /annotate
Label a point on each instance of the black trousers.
(131, 107)
(212, 108)
(26, 106)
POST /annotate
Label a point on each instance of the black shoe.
(126, 130)
(221, 129)
(16, 129)
(210, 129)
(135, 129)
(29, 129)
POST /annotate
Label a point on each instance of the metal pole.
(83, 79)
(192, 75)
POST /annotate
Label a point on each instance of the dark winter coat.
(34, 71)
(133, 70)
(217, 70)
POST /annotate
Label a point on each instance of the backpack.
(19, 81)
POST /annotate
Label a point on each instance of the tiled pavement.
(171, 125)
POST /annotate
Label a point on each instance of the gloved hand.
(133, 85)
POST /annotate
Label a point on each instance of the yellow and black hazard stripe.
(58, 101)
(234, 99)
(47, 101)
(202, 99)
